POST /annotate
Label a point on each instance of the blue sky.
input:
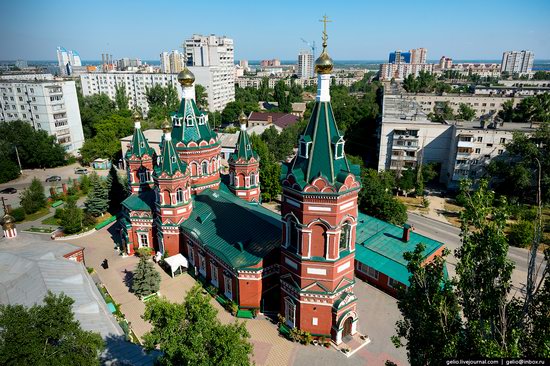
(361, 30)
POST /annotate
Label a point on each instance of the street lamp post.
(18, 160)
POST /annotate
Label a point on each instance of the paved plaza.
(377, 313)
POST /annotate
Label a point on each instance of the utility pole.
(18, 161)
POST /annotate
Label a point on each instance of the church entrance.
(347, 327)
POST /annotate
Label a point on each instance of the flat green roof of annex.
(380, 246)
(223, 223)
(134, 203)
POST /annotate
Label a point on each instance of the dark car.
(9, 190)
(53, 178)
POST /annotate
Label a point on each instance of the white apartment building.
(217, 56)
(305, 65)
(482, 104)
(399, 71)
(407, 137)
(66, 60)
(48, 104)
(164, 62)
(517, 62)
(136, 85)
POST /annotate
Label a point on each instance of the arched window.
(176, 121)
(189, 121)
(204, 167)
(253, 179)
(293, 236)
(345, 236)
(179, 195)
(231, 178)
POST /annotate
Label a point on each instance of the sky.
(360, 30)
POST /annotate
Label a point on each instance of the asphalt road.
(450, 236)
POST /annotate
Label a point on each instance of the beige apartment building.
(482, 104)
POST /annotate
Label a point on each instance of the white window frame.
(253, 179)
(348, 239)
(339, 146)
(202, 265)
(189, 121)
(228, 287)
(191, 255)
(315, 321)
(290, 312)
(302, 153)
(214, 275)
(179, 195)
(143, 243)
(204, 171)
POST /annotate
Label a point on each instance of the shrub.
(88, 220)
(521, 234)
(58, 213)
(231, 307)
(254, 312)
(212, 290)
(33, 198)
(425, 202)
(18, 214)
(144, 252)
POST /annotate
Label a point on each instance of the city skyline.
(267, 31)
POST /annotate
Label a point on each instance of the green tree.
(521, 234)
(407, 180)
(46, 335)
(146, 279)
(264, 93)
(191, 334)
(270, 170)
(121, 98)
(431, 326)
(93, 109)
(541, 75)
(466, 112)
(201, 97)
(376, 198)
(281, 97)
(84, 184)
(71, 218)
(33, 198)
(162, 101)
(97, 202)
(117, 193)
(442, 112)
(507, 112)
(8, 170)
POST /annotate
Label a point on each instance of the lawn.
(38, 214)
(41, 229)
(50, 221)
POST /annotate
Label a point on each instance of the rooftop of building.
(282, 120)
(499, 126)
(380, 245)
(402, 107)
(239, 233)
(31, 267)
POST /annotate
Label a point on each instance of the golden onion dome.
(8, 222)
(136, 116)
(166, 126)
(242, 118)
(186, 77)
(324, 64)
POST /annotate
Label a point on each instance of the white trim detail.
(319, 208)
(318, 271)
(343, 267)
(346, 205)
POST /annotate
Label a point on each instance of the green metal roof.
(244, 148)
(380, 246)
(190, 128)
(139, 145)
(239, 233)
(170, 160)
(134, 203)
(321, 161)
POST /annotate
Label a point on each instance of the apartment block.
(518, 62)
(482, 104)
(399, 71)
(47, 104)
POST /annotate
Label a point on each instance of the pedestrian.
(105, 263)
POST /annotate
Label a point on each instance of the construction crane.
(311, 45)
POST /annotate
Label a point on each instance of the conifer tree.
(33, 198)
(146, 280)
(98, 198)
(71, 218)
(116, 190)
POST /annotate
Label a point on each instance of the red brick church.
(300, 263)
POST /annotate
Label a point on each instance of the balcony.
(465, 144)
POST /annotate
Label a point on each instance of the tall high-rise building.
(418, 55)
(176, 61)
(517, 62)
(211, 59)
(400, 57)
(305, 65)
(66, 60)
(164, 62)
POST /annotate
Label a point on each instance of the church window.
(228, 287)
(204, 167)
(179, 195)
(143, 240)
(201, 120)
(339, 150)
(232, 178)
(142, 144)
(253, 179)
(290, 312)
(293, 236)
(202, 265)
(345, 235)
(177, 121)
(145, 176)
(393, 283)
(173, 159)
(189, 121)
(214, 274)
(304, 149)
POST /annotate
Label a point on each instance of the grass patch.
(38, 214)
(50, 221)
(40, 229)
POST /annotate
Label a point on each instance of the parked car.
(81, 171)
(53, 178)
(8, 190)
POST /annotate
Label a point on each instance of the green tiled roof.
(195, 131)
(170, 160)
(244, 148)
(380, 246)
(321, 161)
(240, 243)
(139, 145)
(134, 203)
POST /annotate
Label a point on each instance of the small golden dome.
(324, 65)
(186, 77)
(8, 222)
(242, 118)
(166, 126)
(136, 116)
